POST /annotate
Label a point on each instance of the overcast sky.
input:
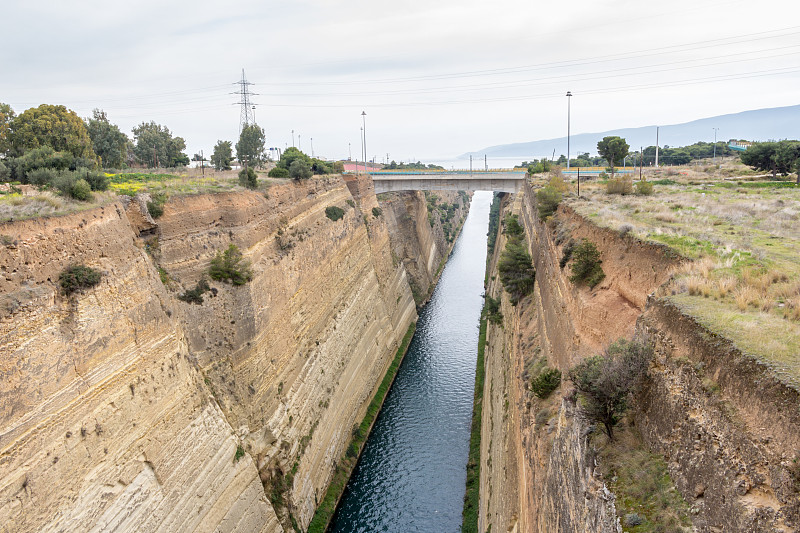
(436, 77)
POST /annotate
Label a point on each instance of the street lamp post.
(292, 138)
(312, 146)
(569, 101)
(715, 145)
(364, 122)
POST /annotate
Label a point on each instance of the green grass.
(643, 486)
(346, 464)
(686, 246)
(469, 521)
(758, 185)
(766, 336)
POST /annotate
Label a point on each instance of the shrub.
(300, 170)
(516, 271)
(604, 382)
(278, 172)
(586, 267)
(78, 277)
(195, 296)
(546, 382)
(42, 176)
(239, 453)
(334, 212)
(81, 190)
(512, 227)
(230, 266)
(644, 188)
(96, 180)
(377, 211)
(492, 308)
(602, 176)
(547, 200)
(619, 185)
(248, 178)
(156, 205)
(568, 249)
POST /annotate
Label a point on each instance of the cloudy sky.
(436, 78)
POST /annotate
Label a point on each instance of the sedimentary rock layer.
(126, 409)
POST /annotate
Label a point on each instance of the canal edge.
(327, 507)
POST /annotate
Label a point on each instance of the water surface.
(412, 473)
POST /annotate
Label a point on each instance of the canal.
(412, 473)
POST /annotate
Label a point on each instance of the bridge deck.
(449, 181)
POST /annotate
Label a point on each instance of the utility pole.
(485, 163)
(470, 165)
(292, 138)
(202, 161)
(656, 146)
(312, 146)
(641, 161)
(299, 145)
(247, 113)
(715, 146)
(349, 152)
(579, 181)
(569, 101)
(364, 121)
(361, 134)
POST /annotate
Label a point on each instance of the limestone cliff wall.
(726, 424)
(124, 408)
(422, 234)
(106, 423)
(537, 470)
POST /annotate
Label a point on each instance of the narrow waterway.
(412, 473)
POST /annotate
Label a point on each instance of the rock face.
(726, 425)
(126, 409)
(423, 228)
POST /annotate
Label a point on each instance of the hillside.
(754, 125)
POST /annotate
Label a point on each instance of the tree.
(223, 155)
(155, 146)
(613, 149)
(108, 142)
(248, 178)
(777, 157)
(290, 155)
(6, 117)
(250, 148)
(54, 126)
(300, 170)
(604, 382)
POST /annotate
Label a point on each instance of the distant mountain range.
(756, 125)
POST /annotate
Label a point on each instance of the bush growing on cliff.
(195, 296)
(516, 271)
(547, 200)
(546, 382)
(605, 381)
(334, 212)
(78, 277)
(586, 267)
(492, 308)
(377, 211)
(512, 227)
(230, 266)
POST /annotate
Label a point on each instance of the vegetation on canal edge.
(345, 467)
(469, 522)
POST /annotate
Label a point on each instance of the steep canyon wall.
(725, 424)
(126, 409)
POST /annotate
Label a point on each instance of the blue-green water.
(412, 473)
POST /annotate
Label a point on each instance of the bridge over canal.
(448, 180)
